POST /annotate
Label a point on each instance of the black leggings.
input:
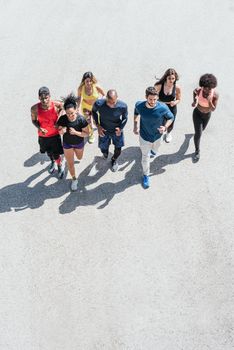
(174, 112)
(117, 152)
(200, 121)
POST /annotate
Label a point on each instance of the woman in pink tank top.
(205, 100)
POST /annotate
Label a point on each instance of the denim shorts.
(105, 141)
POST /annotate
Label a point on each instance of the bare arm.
(35, 120)
(34, 116)
(158, 87)
(83, 133)
(100, 90)
(59, 107)
(163, 128)
(195, 97)
(177, 97)
(213, 101)
(136, 124)
(79, 96)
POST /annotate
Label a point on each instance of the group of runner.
(74, 117)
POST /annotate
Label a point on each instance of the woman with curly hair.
(205, 100)
(88, 92)
(74, 128)
(169, 93)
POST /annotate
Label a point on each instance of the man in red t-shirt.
(44, 116)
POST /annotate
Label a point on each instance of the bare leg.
(69, 155)
(79, 153)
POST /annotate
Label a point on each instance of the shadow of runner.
(20, 196)
(130, 157)
(35, 159)
(173, 158)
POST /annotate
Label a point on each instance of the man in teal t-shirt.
(152, 115)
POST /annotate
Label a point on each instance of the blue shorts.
(68, 146)
(105, 141)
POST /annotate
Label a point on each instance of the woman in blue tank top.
(169, 93)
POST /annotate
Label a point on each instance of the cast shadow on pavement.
(130, 160)
(130, 157)
(35, 159)
(169, 159)
(27, 195)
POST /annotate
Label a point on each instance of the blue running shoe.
(152, 154)
(145, 182)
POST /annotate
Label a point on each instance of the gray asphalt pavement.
(112, 266)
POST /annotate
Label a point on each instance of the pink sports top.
(202, 101)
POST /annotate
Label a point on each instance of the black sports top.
(78, 124)
(167, 98)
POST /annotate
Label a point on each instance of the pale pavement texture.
(112, 266)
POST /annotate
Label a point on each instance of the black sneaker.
(114, 165)
(52, 167)
(196, 157)
(60, 171)
(105, 155)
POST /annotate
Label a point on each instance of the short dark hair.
(208, 80)
(151, 91)
(43, 91)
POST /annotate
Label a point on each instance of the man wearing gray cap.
(44, 116)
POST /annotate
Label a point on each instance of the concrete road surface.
(113, 266)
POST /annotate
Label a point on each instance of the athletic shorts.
(78, 146)
(50, 145)
(105, 141)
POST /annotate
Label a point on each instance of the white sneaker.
(114, 165)
(74, 184)
(168, 137)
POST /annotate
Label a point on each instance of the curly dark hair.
(151, 91)
(70, 101)
(208, 80)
